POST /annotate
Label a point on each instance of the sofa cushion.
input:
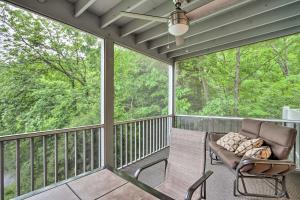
(231, 141)
(228, 157)
(281, 139)
(263, 152)
(250, 128)
(248, 145)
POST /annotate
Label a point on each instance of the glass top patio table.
(102, 184)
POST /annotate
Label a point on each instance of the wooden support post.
(107, 101)
(171, 102)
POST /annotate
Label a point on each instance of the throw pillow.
(247, 145)
(231, 141)
(263, 152)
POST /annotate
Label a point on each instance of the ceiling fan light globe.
(178, 29)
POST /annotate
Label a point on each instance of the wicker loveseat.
(281, 141)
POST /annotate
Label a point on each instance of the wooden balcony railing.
(57, 155)
(36, 160)
(138, 139)
(48, 157)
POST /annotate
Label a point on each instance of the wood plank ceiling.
(239, 23)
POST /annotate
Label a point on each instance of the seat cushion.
(281, 139)
(228, 157)
(250, 128)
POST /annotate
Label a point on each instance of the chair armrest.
(256, 161)
(138, 171)
(214, 136)
(197, 184)
(252, 165)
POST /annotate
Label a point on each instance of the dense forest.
(251, 81)
(50, 78)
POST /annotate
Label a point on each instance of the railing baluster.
(83, 152)
(1, 171)
(130, 142)
(151, 135)
(66, 155)
(162, 132)
(166, 131)
(139, 140)
(99, 147)
(32, 163)
(126, 144)
(92, 149)
(159, 134)
(121, 145)
(75, 153)
(147, 121)
(55, 159)
(143, 132)
(18, 167)
(154, 134)
(115, 143)
(45, 160)
(135, 141)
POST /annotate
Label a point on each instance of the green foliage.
(141, 85)
(269, 79)
(50, 78)
(50, 74)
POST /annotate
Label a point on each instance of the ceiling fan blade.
(145, 17)
(179, 40)
(210, 8)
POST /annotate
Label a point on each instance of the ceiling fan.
(178, 22)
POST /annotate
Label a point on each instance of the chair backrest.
(250, 128)
(281, 139)
(186, 157)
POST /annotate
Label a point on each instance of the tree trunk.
(205, 90)
(237, 82)
(281, 57)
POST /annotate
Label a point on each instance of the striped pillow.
(248, 145)
(263, 152)
(231, 141)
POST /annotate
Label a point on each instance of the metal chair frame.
(201, 182)
(280, 179)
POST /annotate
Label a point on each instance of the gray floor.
(220, 184)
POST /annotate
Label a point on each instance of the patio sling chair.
(185, 176)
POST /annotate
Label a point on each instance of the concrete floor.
(220, 184)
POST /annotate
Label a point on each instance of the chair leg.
(213, 157)
(283, 191)
(210, 156)
(276, 186)
(234, 188)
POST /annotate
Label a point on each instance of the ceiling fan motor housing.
(178, 23)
